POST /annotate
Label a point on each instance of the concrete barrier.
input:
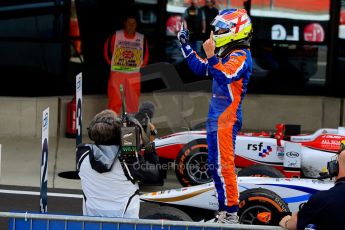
(175, 111)
(22, 116)
(262, 112)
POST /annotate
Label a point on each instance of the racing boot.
(225, 217)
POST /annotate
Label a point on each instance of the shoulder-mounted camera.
(333, 165)
(130, 140)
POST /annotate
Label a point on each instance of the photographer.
(109, 179)
(144, 116)
(324, 209)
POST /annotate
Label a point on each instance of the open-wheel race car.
(284, 153)
(276, 196)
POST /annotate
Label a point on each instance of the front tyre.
(191, 164)
(258, 200)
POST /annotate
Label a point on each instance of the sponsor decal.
(279, 33)
(280, 152)
(314, 33)
(255, 147)
(300, 139)
(332, 136)
(326, 142)
(213, 204)
(181, 197)
(292, 154)
(265, 152)
(292, 164)
(330, 142)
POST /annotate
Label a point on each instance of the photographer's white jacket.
(106, 194)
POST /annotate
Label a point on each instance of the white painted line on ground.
(32, 193)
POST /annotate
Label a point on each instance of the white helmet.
(236, 22)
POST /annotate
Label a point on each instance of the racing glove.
(183, 37)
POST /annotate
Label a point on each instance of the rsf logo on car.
(255, 147)
(263, 151)
(292, 154)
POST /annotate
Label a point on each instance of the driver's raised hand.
(183, 37)
(209, 46)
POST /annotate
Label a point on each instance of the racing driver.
(229, 63)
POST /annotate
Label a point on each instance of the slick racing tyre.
(191, 164)
(261, 171)
(166, 213)
(258, 200)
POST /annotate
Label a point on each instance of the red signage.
(314, 33)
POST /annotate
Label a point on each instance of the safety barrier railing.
(31, 221)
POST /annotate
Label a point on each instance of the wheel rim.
(197, 168)
(249, 216)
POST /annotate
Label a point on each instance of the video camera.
(333, 166)
(133, 135)
(130, 134)
(137, 167)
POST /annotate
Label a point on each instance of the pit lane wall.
(175, 111)
(32, 221)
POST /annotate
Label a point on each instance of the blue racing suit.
(231, 75)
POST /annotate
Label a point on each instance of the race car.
(277, 154)
(277, 196)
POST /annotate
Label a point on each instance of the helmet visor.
(220, 23)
